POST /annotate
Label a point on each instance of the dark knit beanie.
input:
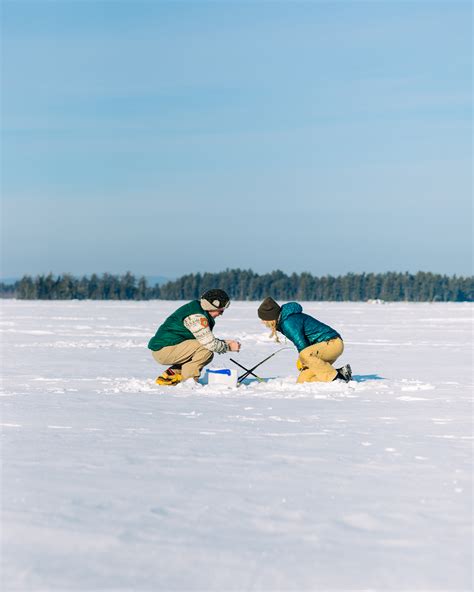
(269, 310)
(214, 300)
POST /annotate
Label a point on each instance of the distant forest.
(247, 285)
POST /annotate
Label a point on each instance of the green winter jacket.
(173, 331)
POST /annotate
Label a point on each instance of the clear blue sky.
(173, 137)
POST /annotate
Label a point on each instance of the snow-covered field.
(112, 483)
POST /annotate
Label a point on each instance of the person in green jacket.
(318, 345)
(185, 340)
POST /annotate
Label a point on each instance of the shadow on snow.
(355, 378)
(366, 377)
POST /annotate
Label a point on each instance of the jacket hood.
(289, 309)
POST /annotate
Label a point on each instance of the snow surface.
(110, 482)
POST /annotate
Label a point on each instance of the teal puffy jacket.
(302, 329)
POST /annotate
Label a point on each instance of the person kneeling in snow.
(318, 345)
(185, 340)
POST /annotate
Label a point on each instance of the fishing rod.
(251, 370)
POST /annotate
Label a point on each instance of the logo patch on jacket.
(204, 322)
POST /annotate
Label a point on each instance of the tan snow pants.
(317, 361)
(189, 354)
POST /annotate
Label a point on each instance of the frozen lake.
(110, 482)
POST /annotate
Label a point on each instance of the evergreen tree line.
(67, 287)
(247, 285)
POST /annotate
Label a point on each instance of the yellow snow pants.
(189, 354)
(315, 361)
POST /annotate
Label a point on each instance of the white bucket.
(222, 377)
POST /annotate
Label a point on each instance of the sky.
(168, 138)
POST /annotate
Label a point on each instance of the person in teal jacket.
(319, 345)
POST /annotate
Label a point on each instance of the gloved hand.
(299, 365)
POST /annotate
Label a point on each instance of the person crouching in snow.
(318, 345)
(185, 340)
